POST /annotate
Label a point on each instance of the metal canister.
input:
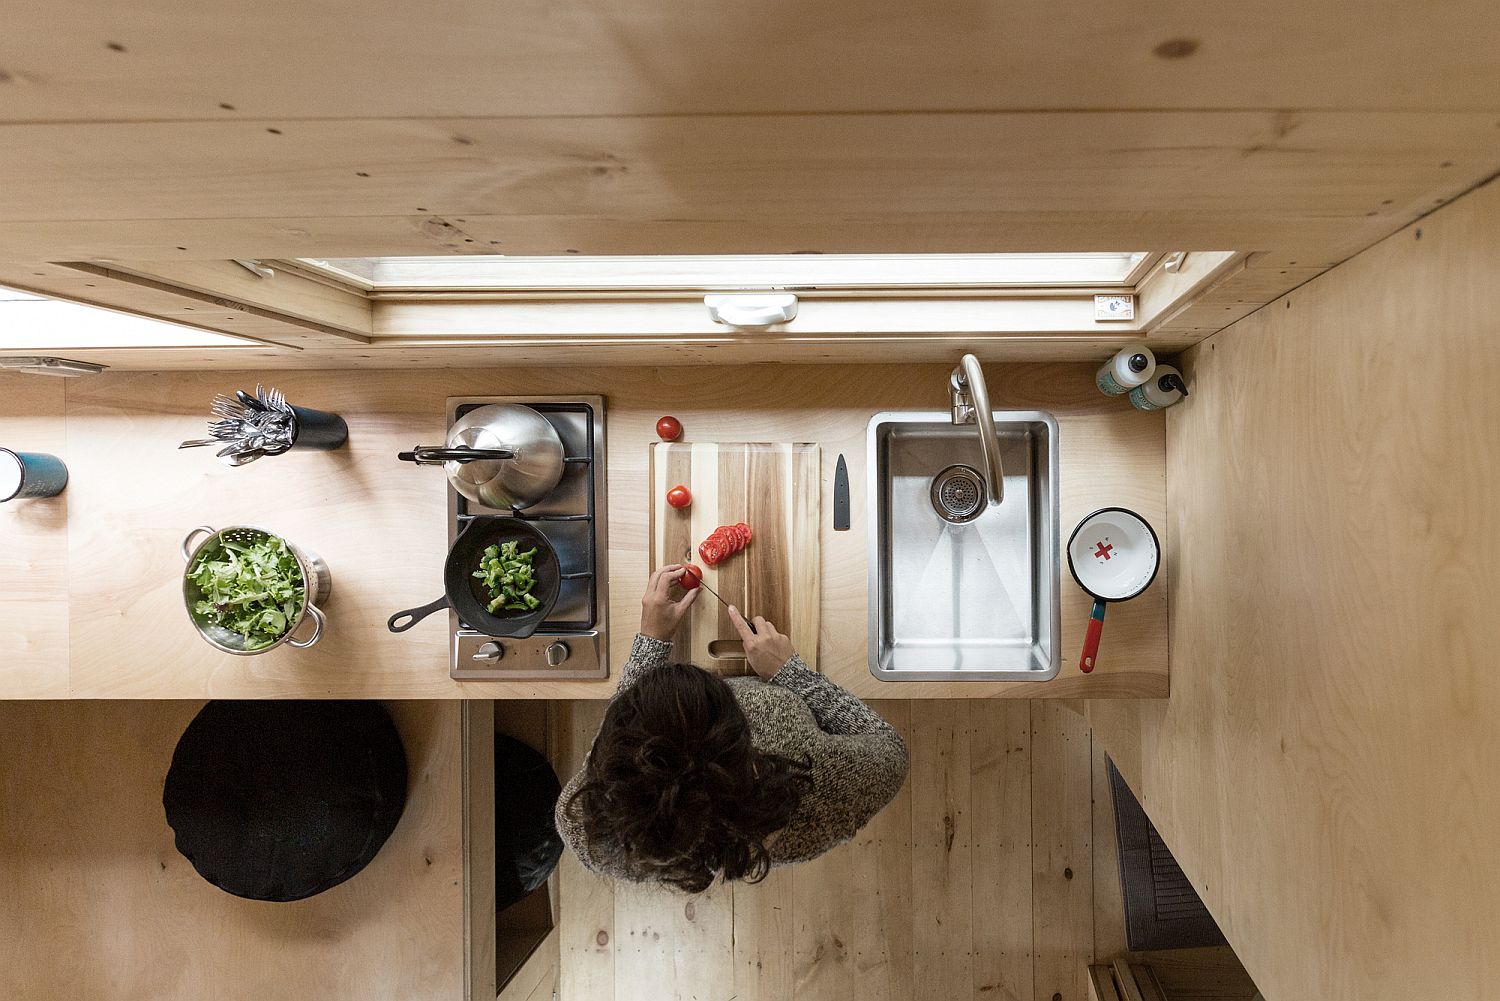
(30, 474)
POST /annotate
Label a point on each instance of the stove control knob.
(491, 651)
(557, 652)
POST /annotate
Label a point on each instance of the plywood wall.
(1325, 769)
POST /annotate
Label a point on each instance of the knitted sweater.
(858, 759)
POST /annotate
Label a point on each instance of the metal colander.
(317, 583)
(958, 494)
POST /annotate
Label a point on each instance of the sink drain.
(958, 494)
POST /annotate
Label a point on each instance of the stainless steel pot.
(502, 455)
(317, 584)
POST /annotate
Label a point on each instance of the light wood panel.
(99, 904)
(1324, 768)
(775, 489)
(33, 548)
(135, 495)
(933, 900)
(1062, 852)
(1075, 180)
(158, 61)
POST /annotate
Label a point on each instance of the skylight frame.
(816, 273)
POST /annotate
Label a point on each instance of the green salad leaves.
(508, 575)
(254, 589)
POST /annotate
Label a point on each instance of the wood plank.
(1327, 711)
(481, 935)
(1208, 180)
(1062, 862)
(1109, 903)
(98, 903)
(942, 851)
(999, 735)
(764, 938)
(157, 62)
(33, 555)
(284, 292)
(586, 905)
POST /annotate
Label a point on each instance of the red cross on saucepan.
(1103, 551)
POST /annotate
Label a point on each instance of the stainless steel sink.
(971, 593)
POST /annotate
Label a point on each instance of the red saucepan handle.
(1091, 638)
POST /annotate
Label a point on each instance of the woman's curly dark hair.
(674, 792)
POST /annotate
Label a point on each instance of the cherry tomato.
(679, 496)
(692, 576)
(669, 429)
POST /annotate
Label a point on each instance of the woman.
(692, 778)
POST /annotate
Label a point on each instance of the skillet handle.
(414, 615)
(432, 455)
(1091, 638)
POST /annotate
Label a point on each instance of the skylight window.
(792, 272)
(32, 323)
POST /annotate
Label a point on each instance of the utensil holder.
(318, 429)
(31, 474)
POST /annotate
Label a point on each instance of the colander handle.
(187, 542)
(319, 621)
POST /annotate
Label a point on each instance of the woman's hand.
(661, 613)
(765, 648)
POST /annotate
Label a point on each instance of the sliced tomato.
(711, 551)
(691, 577)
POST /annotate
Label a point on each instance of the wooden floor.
(991, 877)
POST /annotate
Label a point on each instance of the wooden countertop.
(92, 584)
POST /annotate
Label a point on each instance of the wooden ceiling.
(157, 131)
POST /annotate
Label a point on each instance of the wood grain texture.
(1324, 770)
(129, 636)
(1062, 852)
(570, 60)
(935, 899)
(586, 905)
(33, 548)
(776, 490)
(99, 904)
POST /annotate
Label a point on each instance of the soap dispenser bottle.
(1129, 368)
(1167, 388)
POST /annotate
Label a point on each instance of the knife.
(716, 594)
(841, 497)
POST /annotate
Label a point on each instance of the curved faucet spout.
(971, 405)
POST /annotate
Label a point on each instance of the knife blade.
(841, 497)
(704, 585)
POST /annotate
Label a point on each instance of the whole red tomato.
(669, 429)
(692, 576)
(679, 496)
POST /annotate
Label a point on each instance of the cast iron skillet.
(467, 593)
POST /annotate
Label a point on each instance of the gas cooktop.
(573, 642)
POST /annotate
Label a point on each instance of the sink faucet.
(971, 405)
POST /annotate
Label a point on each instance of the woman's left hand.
(661, 613)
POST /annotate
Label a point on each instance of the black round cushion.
(283, 800)
(527, 845)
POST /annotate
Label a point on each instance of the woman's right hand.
(662, 611)
(766, 649)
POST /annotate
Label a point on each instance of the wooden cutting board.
(775, 488)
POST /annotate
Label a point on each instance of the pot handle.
(432, 455)
(187, 542)
(414, 615)
(319, 621)
(1091, 638)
